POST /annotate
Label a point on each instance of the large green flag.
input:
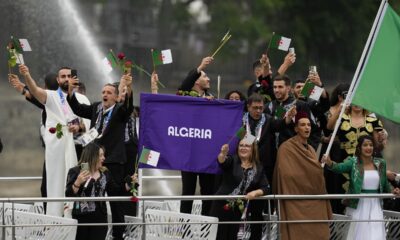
(379, 83)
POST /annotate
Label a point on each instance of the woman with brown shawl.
(298, 172)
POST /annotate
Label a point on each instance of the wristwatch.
(24, 90)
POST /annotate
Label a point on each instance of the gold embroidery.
(345, 126)
(369, 127)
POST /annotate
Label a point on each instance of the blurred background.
(328, 34)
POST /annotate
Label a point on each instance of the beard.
(64, 86)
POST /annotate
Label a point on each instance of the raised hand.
(204, 63)
(15, 82)
(23, 70)
(326, 160)
(82, 177)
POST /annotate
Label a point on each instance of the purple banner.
(187, 131)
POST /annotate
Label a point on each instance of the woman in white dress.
(367, 175)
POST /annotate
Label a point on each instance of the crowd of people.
(288, 128)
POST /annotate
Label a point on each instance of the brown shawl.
(298, 171)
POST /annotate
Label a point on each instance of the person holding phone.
(91, 179)
(60, 153)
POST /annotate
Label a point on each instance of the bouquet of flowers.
(124, 63)
(234, 203)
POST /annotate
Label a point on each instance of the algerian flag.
(280, 42)
(107, 68)
(249, 139)
(280, 112)
(112, 59)
(162, 57)
(149, 157)
(109, 63)
(15, 44)
(378, 88)
(241, 132)
(311, 90)
(20, 58)
(25, 45)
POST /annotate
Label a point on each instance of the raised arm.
(39, 93)
(154, 83)
(343, 167)
(82, 110)
(224, 152)
(287, 62)
(194, 74)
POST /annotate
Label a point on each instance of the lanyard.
(258, 129)
(64, 105)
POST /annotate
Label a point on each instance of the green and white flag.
(110, 62)
(161, 57)
(26, 47)
(149, 157)
(310, 90)
(378, 87)
(280, 42)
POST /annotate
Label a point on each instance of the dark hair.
(285, 78)
(255, 97)
(340, 90)
(91, 154)
(299, 81)
(114, 85)
(50, 81)
(241, 95)
(360, 141)
(61, 68)
(136, 111)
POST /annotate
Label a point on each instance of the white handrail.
(198, 197)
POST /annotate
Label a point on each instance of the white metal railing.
(213, 197)
(392, 219)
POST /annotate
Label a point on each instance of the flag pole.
(221, 45)
(137, 161)
(377, 21)
(377, 27)
(269, 44)
(218, 85)
(152, 58)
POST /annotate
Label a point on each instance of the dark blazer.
(114, 135)
(266, 145)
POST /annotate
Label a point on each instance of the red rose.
(227, 207)
(128, 64)
(121, 56)
(52, 130)
(134, 199)
(264, 83)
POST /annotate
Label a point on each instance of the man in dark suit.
(109, 117)
(259, 125)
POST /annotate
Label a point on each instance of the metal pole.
(278, 212)
(269, 225)
(3, 229)
(13, 222)
(144, 225)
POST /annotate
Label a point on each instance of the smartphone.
(74, 73)
(85, 166)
